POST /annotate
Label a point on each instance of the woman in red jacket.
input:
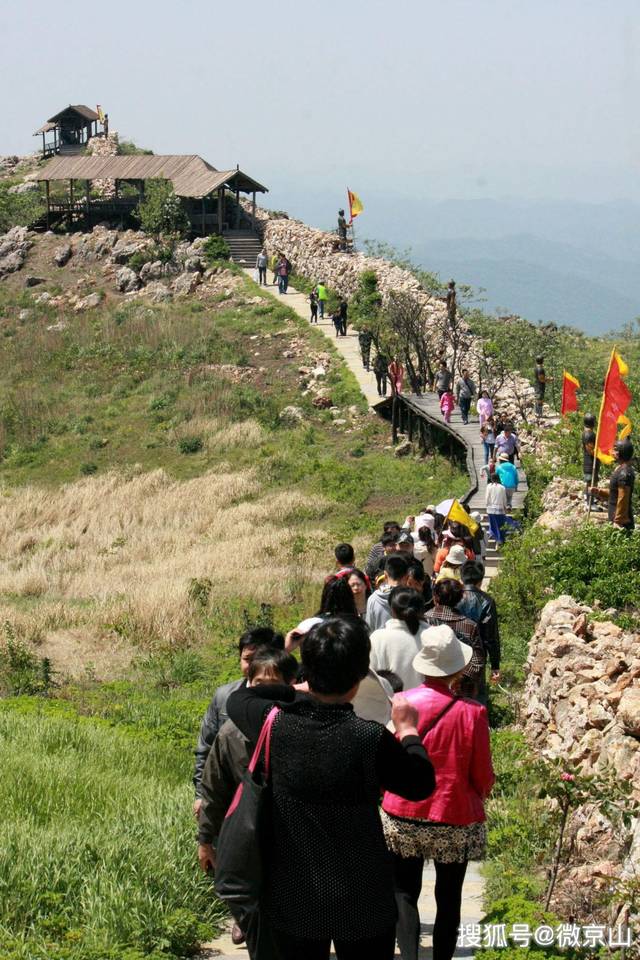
(449, 825)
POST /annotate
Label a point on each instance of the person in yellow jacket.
(323, 295)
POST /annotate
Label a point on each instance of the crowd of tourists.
(379, 752)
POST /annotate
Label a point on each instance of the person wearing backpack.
(449, 826)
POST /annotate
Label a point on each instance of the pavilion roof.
(190, 175)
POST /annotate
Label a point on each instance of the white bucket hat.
(456, 555)
(442, 653)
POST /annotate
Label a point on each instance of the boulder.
(88, 303)
(127, 280)
(151, 271)
(62, 254)
(185, 284)
(157, 292)
(291, 416)
(628, 714)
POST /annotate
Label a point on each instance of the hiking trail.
(349, 349)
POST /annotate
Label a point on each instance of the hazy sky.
(455, 98)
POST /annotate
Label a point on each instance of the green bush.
(19, 209)
(216, 248)
(161, 211)
(86, 469)
(191, 444)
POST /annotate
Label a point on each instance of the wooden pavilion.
(202, 189)
(72, 128)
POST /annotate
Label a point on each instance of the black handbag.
(240, 869)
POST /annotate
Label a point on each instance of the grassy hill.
(153, 502)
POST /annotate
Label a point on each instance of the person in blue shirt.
(508, 475)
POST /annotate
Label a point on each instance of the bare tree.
(405, 317)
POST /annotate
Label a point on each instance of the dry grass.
(114, 555)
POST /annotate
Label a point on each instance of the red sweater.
(458, 747)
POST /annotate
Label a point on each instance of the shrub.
(190, 444)
(216, 248)
(87, 469)
(18, 209)
(161, 211)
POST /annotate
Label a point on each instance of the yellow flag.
(355, 205)
(100, 113)
(460, 515)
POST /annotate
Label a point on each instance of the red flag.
(570, 387)
(616, 397)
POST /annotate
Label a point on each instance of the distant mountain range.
(570, 263)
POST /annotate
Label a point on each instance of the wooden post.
(116, 189)
(88, 197)
(253, 209)
(46, 187)
(71, 202)
(44, 150)
(220, 210)
(204, 232)
(410, 415)
(394, 419)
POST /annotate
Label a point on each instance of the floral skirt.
(446, 843)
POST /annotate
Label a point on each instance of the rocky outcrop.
(127, 280)
(62, 255)
(581, 704)
(14, 246)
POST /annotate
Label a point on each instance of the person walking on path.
(323, 296)
(396, 569)
(327, 769)
(261, 267)
(447, 405)
(313, 303)
(485, 407)
(480, 607)
(488, 434)
(465, 392)
(453, 563)
(496, 504)
(365, 339)
(447, 594)
(343, 312)
(620, 491)
(396, 376)
(283, 274)
(216, 713)
(444, 379)
(540, 384)
(394, 646)
(273, 266)
(381, 370)
(508, 476)
(449, 826)
(377, 550)
(229, 758)
(507, 442)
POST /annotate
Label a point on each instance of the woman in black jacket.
(329, 873)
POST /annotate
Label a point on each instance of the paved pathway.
(472, 911)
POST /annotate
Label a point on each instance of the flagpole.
(595, 452)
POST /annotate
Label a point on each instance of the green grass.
(97, 840)
(98, 851)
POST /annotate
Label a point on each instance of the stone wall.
(102, 146)
(316, 254)
(581, 704)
